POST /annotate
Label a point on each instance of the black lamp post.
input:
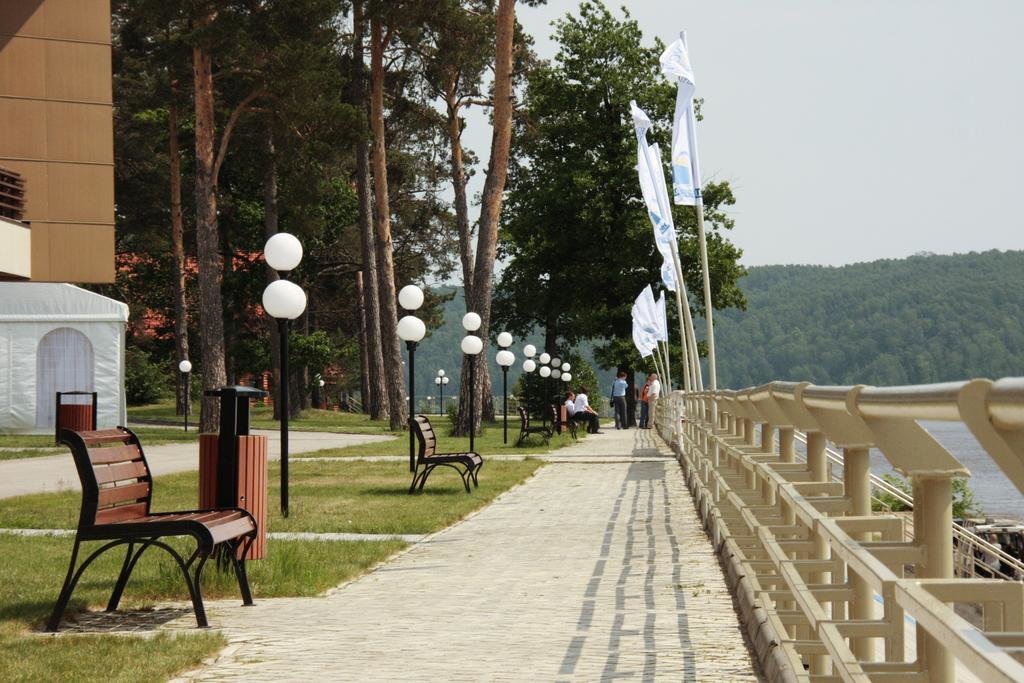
(185, 367)
(284, 300)
(472, 345)
(411, 330)
(505, 359)
(441, 381)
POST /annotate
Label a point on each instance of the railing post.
(857, 484)
(817, 463)
(933, 522)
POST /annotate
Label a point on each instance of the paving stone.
(595, 569)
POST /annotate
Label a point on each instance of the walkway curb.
(762, 634)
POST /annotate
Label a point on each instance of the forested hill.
(922, 319)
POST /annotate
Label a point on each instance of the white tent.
(58, 337)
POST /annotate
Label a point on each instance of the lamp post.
(505, 358)
(284, 300)
(441, 381)
(472, 345)
(185, 367)
(529, 365)
(411, 330)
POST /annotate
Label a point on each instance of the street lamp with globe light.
(285, 301)
(505, 359)
(472, 345)
(185, 367)
(411, 330)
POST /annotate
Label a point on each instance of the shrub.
(144, 380)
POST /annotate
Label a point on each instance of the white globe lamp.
(471, 322)
(566, 367)
(566, 377)
(283, 252)
(545, 371)
(472, 345)
(505, 358)
(544, 358)
(410, 297)
(411, 329)
(185, 366)
(529, 350)
(529, 365)
(556, 373)
(505, 340)
(556, 361)
(283, 299)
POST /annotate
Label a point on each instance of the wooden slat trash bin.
(233, 463)
(77, 417)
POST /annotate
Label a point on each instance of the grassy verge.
(261, 417)
(356, 497)
(38, 445)
(33, 570)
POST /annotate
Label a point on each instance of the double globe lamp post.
(284, 300)
(441, 381)
(472, 345)
(411, 330)
(529, 365)
(505, 359)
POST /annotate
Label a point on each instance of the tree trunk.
(459, 185)
(271, 214)
(494, 188)
(178, 247)
(375, 401)
(207, 233)
(364, 354)
(386, 276)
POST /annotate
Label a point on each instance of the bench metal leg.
(243, 579)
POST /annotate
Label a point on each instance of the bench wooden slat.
(104, 436)
(126, 470)
(122, 494)
(238, 527)
(121, 513)
(114, 454)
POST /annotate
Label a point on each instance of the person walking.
(644, 407)
(653, 394)
(619, 386)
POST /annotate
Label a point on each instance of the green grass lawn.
(339, 496)
(38, 445)
(33, 570)
(261, 417)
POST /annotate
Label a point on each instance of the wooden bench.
(117, 489)
(525, 428)
(563, 421)
(466, 464)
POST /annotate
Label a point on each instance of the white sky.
(852, 130)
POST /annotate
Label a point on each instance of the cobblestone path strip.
(589, 571)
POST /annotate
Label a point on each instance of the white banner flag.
(662, 319)
(675, 64)
(654, 189)
(640, 338)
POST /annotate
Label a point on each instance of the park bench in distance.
(466, 464)
(525, 428)
(117, 488)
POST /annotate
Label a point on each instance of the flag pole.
(668, 366)
(702, 239)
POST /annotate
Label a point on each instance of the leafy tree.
(577, 236)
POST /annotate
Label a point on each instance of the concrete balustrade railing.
(830, 589)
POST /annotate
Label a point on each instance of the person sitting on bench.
(584, 413)
(570, 405)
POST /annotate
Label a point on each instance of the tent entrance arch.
(64, 362)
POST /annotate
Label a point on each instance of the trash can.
(233, 463)
(78, 417)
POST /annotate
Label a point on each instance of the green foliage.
(964, 502)
(144, 380)
(918, 320)
(575, 231)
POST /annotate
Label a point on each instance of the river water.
(994, 493)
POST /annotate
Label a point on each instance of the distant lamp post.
(505, 359)
(411, 330)
(472, 345)
(284, 300)
(185, 367)
(529, 365)
(323, 399)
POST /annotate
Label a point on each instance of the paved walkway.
(595, 569)
(57, 472)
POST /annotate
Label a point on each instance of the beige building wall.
(56, 129)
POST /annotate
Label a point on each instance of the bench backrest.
(116, 483)
(425, 436)
(524, 417)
